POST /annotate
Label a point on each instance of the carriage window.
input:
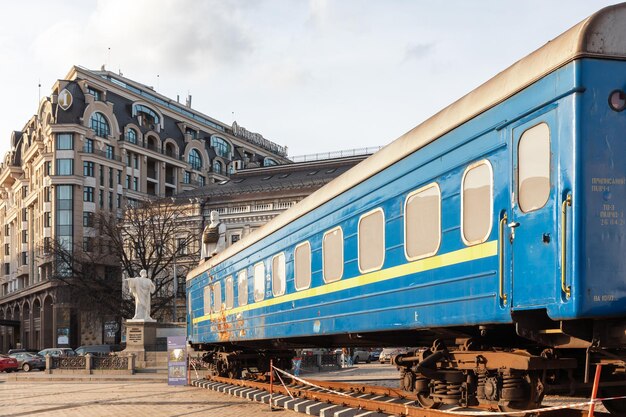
(217, 297)
(207, 300)
(332, 255)
(533, 176)
(242, 288)
(422, 222)
(259, 281)
(476, 198)
(278, 274)
(230, 292)
(372, 240)
(302, 266)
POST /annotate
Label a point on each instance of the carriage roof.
(603, 34)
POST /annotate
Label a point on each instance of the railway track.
(337, 399)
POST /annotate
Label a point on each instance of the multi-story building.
(252, 197)
(98, 142)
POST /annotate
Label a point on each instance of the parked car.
(375, 354)
(360, 355)
(8, 364)
(96, 349)
(387, 353)
(20, 350)
(56, 352)
(28, 361)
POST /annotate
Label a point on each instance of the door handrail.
(502, 225)
(566, 289)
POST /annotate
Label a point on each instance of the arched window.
(131, 136)
(99, 124)
(145, 114)
(268, 162)
(222, 148)
(194, 159)
(217, 167)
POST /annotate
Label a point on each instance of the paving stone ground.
(120, 399)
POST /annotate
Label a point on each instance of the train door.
(533, 219)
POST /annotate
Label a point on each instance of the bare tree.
(159, 237)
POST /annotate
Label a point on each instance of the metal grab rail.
(564, 287)
(501, 293)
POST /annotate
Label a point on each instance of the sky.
(312, 75)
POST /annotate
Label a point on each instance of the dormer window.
(97, 94)
(221, 147)
(192, 133)
(146, 116)
(195, 160)
(131, 136)
(268, 162)
(99, 125)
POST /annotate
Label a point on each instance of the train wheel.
(615, 407)
(424, 400)
(533, 392)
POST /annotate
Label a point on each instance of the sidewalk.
(44, 377)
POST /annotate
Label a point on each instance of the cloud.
(418, 51)
(182, 37)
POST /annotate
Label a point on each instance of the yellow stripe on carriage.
(471, 253)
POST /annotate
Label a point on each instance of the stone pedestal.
(140, 337)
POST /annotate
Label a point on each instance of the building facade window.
(195, 160)
(111, 177)
(87, 244)
(217, 167)
(131, 136)
(101, 198)
(110, 200)
(88, 194)
(65, 167)
(135, 183)
(110, 152)
(128, 182)
(221, 147)
(97, 95)
(88, 146)
(87, 219)
(88, 168)
(187, 177)
(65, 141)
(268, 162)
(201, 180)
(99, 125)
(47, 219)
(145, 114)
(63, 216)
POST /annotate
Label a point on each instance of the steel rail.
(406, 409)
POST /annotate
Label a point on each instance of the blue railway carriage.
(494, 232)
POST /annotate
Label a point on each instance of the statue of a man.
(141, 287)
(213, 237)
